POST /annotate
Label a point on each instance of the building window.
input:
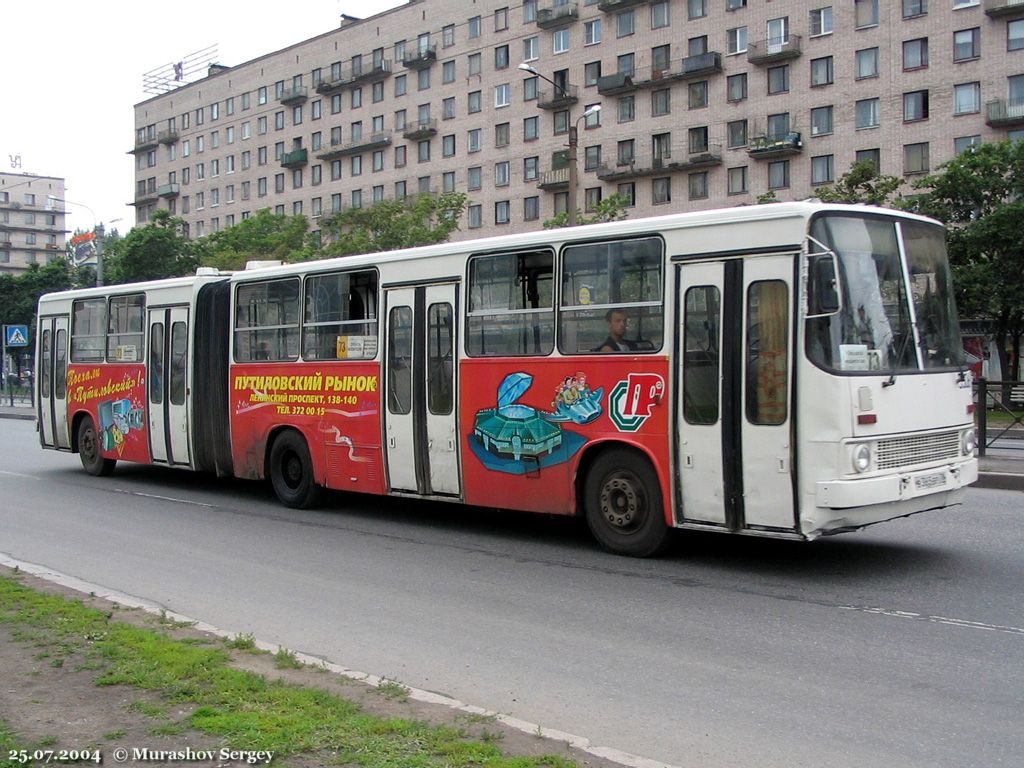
(821, 71)
(698, 94)
(448, 72)
(823, 170)
(915, 106)
(474, 102)
(627, 109)
(660, 102)
(778, 174)
(475, 178)
(592, 32)
(866, 13)
(501, 20)
(561, 40)
(473, 28)
(531, 208)
(698, 185)
(501, 212)
(915, 158)
(501, 57)
(915, 53)
(736, 87)
(737, 133)
(867, 63)
(475, 143)
(475, 216)
(966, 98)
(625, 64)
(967, 44)
(531, 128)
(737, 180)
(659, 14)
(867, 113)
(531, 48)
(626, 152)
(778, 79)
(913, 8)
(696, 9)
(821, 21)
(821, 121)
(502, 135)
(624, 23)
(591, 73)
(1015, 35)
(592, 157)
(871, 156)
(529, 11)
(661, 190)
(502, 95)
(963, 143)
(628, 191)
(591, 198)
(448, 35)
(736, 40)
(531, 168)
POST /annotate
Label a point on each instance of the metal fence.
(998, 397)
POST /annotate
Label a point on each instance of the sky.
(71, 73)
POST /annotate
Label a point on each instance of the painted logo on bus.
(631, 401)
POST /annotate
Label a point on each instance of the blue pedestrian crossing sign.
(16, 335)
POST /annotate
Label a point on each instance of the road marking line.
(164, 498)
(20, 474)
(579, 742)
(934, 619)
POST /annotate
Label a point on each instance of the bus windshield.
(898, 314)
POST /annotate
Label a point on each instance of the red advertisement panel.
(335, 407)
(526, 424)
(115, 397)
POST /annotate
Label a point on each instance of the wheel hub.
(621, 503)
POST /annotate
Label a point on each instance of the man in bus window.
(618, 323)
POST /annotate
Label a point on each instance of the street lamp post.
(98, 230)
(573, 142)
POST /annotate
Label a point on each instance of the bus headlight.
(861, 457)
(969, 441)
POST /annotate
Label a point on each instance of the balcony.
(167, 137)
(295, 159)
(700, 157)
(558, 98)
(291, 96)
(421, 58)
(379, 70)
(422, 129)
(146, 144)
(709, 63)
(613, 6)
(355, 146)
(168, 190)
(557, 16)
(774, 49)
(1001, 113)
(145, 198)
(776, 145)
(554, 180)
(612, 85)
(635, 167)
(997, 8)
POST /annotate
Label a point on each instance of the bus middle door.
(167, 388)
(419, 381)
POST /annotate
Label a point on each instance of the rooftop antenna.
(188, 69)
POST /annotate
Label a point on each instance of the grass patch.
(285, 659)
(241, 643)
(394, 690)
(245, 710)
(8, 743)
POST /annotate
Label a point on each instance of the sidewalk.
(999, 469)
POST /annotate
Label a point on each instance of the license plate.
(934, 480)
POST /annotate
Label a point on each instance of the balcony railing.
(378, 70)
(421, 58)
(610, 85)
(775, 145)
(297, 95)
(703, 64)
(167, 137)
(295, 159)
(613, 6)
(558, 98)
(557, 179)
(774, 49)
(1001, 113)
(168, 190)
(669, 161)
(144, 145)
(996, 8)
(422, 129)
(557, 16)
(355, 146)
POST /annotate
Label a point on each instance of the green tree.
(266, 235)
(421, 220)
(612, 208)
(159, 249)
(19, 298)
(862, 184)
(979, 195)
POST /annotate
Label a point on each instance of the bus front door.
(167, 388)
(52, 384)
(734, 373)
(419, 379)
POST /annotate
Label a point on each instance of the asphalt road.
(901, 646)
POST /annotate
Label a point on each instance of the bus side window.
(510, 309)
(767, 352)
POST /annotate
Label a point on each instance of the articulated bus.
(788, 370)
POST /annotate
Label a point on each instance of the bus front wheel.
(89, 450)
(623, 505)
(291, 472)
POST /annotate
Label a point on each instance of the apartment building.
(32, 228)
(703, 104)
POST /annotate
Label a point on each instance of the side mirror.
(823, 295)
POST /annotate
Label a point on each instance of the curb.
(1001, 481)
(29, 415)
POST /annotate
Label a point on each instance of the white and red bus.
(787, 370)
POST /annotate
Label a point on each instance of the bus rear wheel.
(89, 450)
(291, 472)
(623, 505)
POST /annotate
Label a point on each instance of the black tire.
(291, 472)
(89, 450)
(623, 505)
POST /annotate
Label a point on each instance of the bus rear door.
(168, 385)
(53, 382)
(734, 353)
(420, 386)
